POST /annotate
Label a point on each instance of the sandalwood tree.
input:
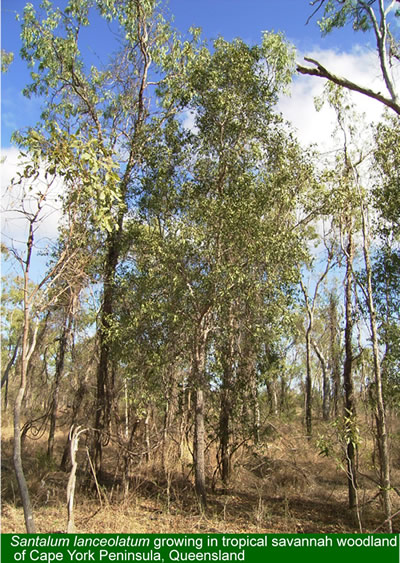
(96, 121)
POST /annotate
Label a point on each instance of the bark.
(5, 378)
(62, 345)
(74, 440)
(199, 449)
(226, 399)
(198, 378)
(147, 434)
(255, 407)
(273, 397)
(380, 416)
(349, 398)
(310, 307)
(224, 423)
(26, 352)
(78, 399)
(334, 355)
(308, 384)
(325, 382)
(105, 383)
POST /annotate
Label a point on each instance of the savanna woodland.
(214, 345)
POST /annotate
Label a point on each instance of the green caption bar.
(251, 548)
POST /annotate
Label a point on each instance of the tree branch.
(322, 72)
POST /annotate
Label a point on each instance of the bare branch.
(321, 3)
(322, 72)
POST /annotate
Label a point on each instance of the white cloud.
(18, 201)
(189, 120)
(360, 66)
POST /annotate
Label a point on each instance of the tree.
(95, 126)
(364, 16)
(310, 308)
(225, 228)
(358, 210)
(36, 298)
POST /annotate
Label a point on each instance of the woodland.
(214, 344)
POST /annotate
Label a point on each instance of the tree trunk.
(272, 395)
(224, 424)
(255, 407)
(380, 417)
(26, 353)
(325, 382)
(198, 377)
(79, 396)
(147, 433)
(334, 355)
(5, 377)
(225, 415)
(105, 382)
(17, 458)
(62, 345)
(349, 399)
(308, 384)
(199, 448)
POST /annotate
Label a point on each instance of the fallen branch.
(386, 521)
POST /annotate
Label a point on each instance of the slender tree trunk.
(227, 390)
(147, 433)
(105, 383)
(62, 345)
(165, 433)
(255, 407)
(310, 307)
(272, 395)
(77, 402)
(247, 379)
(380, 416)
(349, 399)
(198, 377)
(26, 353)
(224, 424)
(185, 410)
(325, 382)
(5, 377)
(283, 398)
(308, 384)
(199, 448)
(334, 355)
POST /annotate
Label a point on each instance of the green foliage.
(387, 185)
(6, 60)
(338, 13)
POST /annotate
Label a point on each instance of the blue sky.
(229, 18)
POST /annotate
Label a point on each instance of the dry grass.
(282, 486)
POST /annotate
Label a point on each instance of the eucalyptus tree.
(365, 16)
(357, 185)
(95, 123)
(386, 189)
(224, 214)
(386, 266)
(344, 208)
